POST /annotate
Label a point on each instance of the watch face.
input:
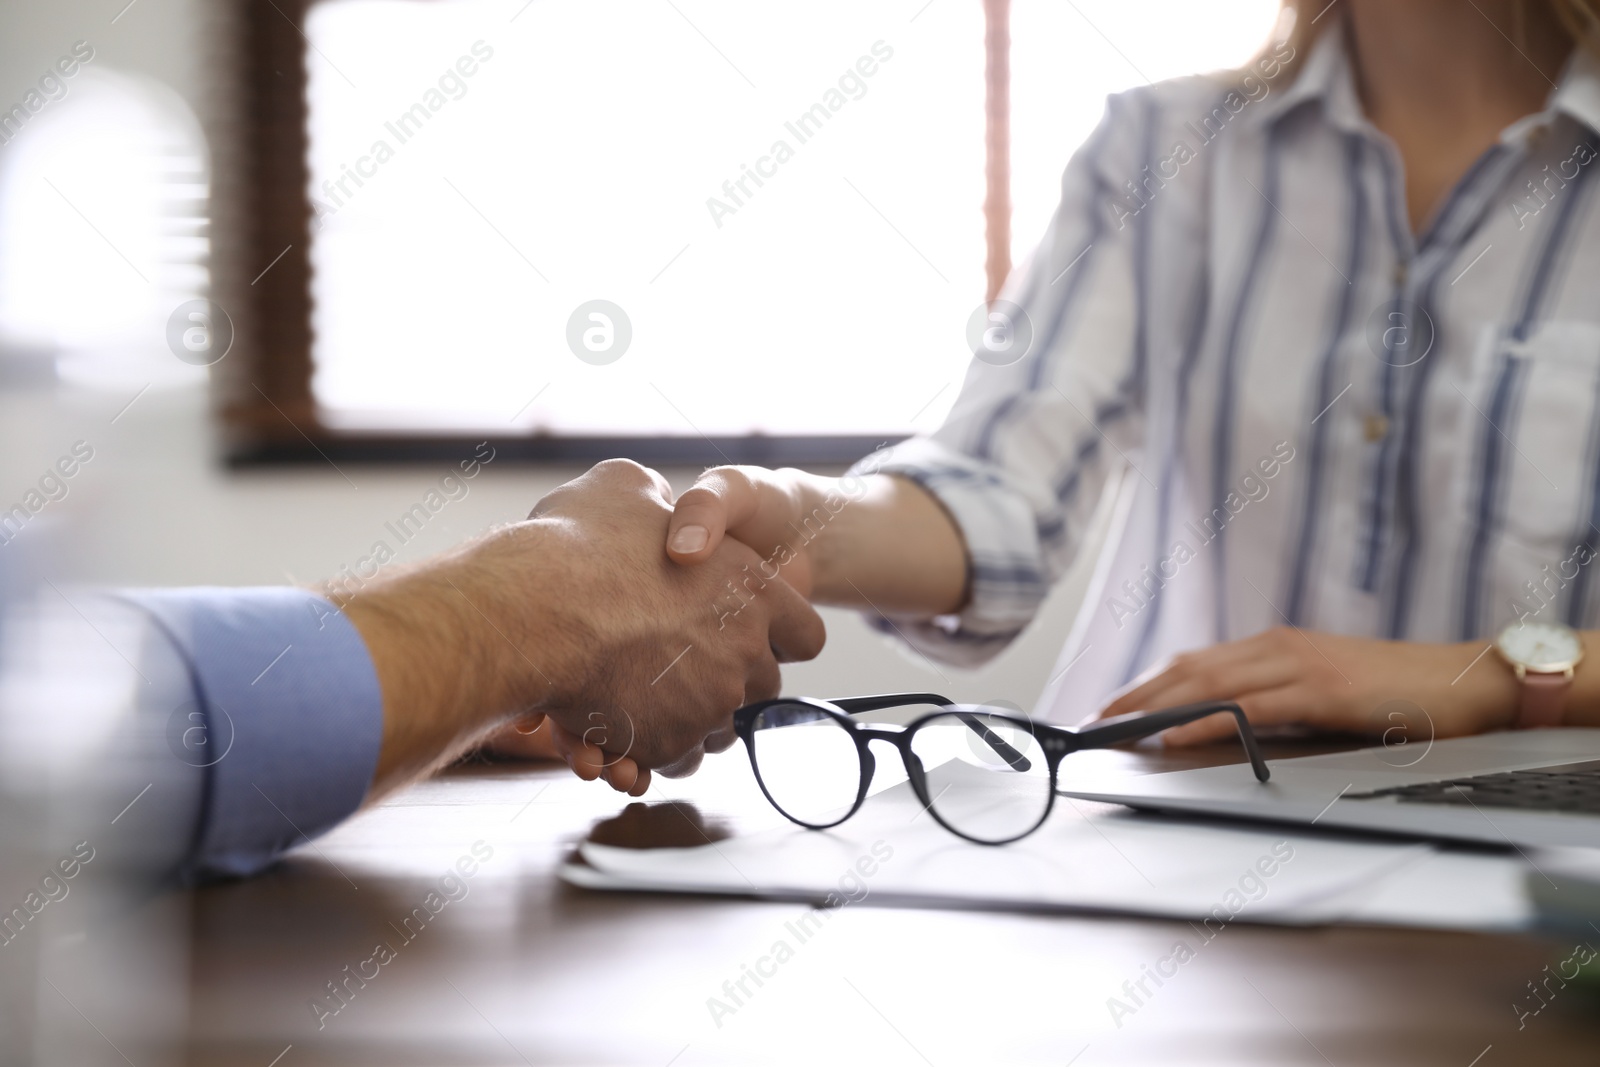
(1541, 646)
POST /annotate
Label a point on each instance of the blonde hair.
(1579, 18)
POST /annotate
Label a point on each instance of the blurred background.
(276, 266)
(823, 316)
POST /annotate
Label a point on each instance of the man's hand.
(1326, 681)
(579, 615)
(657, 657)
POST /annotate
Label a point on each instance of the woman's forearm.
(1583, 701)
(887, 545)
(875, 541)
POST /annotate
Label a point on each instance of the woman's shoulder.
(1186, 98)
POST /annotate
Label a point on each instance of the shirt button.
(1375, 427)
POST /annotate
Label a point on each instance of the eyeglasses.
(986, 775)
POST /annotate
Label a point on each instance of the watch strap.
(1544, 699)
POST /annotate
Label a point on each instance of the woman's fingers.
(526, 738)
(722, 497)
(537, 737)
(1230, 671)
(1271, 707)
(625, 776)
(1257, 673)
(589, 762)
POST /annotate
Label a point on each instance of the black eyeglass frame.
(1056, 742)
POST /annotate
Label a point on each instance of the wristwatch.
(1544, 655)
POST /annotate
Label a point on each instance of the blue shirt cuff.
(288, 717)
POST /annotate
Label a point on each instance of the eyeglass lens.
(986, 776)
(807, 761)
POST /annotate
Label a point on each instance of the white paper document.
(1087, 858)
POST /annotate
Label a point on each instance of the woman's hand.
(1287, 676)
(536, 737)
(779, 513)
(864, 541)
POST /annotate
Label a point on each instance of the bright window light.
(783, 200)
(103, 231)
(1067, 58)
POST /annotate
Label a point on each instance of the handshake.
(623, 627)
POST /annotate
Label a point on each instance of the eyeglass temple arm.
(1136, 725)
(1006, 751)
(857, 705)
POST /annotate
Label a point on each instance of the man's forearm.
(891, 548)
(451, 666)
(427, 712)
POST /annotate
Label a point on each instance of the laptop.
(1523, 788)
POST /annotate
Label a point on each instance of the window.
(788, 236)
(695, 230)
(103, 207)
(1066, 58)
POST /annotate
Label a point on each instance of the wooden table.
(524, 969)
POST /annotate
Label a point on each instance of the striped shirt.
(1309, 414)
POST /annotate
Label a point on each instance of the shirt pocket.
(1526, 439)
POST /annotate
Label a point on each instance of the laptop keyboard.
(1570, 787)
